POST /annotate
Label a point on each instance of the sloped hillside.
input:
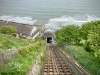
(23, 60)
(7, 42)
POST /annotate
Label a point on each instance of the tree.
(93, 39)
(8, 29)
(69, 34)
(87, 27)
(90, 32)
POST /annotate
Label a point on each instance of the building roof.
(48, 34)
(36, 32)
(42, 28)
(2, 22)
(22, 28)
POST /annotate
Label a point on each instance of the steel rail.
(54, 63)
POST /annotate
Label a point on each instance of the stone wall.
(7, 55)
(35, 67)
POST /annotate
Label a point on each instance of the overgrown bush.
(69, 34)
(22, 37)
(8, 29)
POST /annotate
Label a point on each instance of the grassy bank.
(21, 64)
(7, 42)
(86, 59)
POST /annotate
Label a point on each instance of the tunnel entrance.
(49, 39)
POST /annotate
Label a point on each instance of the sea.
(53, 14)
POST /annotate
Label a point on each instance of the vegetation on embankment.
(8, 42)
(84, 58)
(86, 39)
(21, 64)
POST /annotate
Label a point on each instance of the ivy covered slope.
(21, 64)
(8, 42)
(87, 37)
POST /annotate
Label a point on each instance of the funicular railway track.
(54, 63)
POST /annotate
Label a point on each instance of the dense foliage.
(91, 31)
(84, 58)
(8, 29)
(88, 35)
(69, 34)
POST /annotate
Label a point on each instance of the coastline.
(2, 22)
(21, 26)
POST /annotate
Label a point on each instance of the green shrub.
(22, 37)
(8, 29)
